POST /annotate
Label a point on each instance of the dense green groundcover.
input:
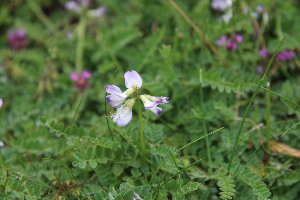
(57, 140)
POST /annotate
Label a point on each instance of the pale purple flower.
(123, 114)
(79, 5)
(133, 82)
(221, 41)
(117, 99)
(260, 69)
(80, 80)
(136, 197)
(227, 16)
(1, 144)
(73, 6)
(260, 9)
(231, 45)
(221, 5)
(264, 53)
(151, 102)
(1, 103)
(239, 38)
(97, 12)
(17, 39)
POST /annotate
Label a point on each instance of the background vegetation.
(56, 139)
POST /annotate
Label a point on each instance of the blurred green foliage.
(57, 144)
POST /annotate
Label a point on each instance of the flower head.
(123, 114)
(286, 55)
(80, 80)
(221, 5)
(1, 103)
(17, 39)
(79, 5)
(222, 41)
(117, 99)
(264, 53)
(260, 69)
(238, 38)
(231, 45)
(151, 102)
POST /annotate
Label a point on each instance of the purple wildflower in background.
(117, 99)
(1, 144)
(264, 53)
(80, 80)
(1, 103)
(17, 39)
(136, 197)
(72, 6)
(260, 69)
(221, 5)
(286, 55)
(230, 44)
(79, 5)
(239, 38)
(260, 8)
(222, 41)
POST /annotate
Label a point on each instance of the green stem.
(268, 116)
(80, 44)
(141, 134)
(204, 122)
(249, 105)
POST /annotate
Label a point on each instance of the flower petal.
(160, 100)
(1, 103)
(115, 90)
(132, 78)
(123, 115)
(86, 74)
(74, 76)
(156, 110)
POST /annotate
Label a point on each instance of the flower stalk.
(141, 130)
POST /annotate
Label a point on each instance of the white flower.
(123, 114)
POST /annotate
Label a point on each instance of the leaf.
(226, 185)
(78, 156)
(93, 164)
(105, 142)
(82, 164)
(259, 188)
(189, 187)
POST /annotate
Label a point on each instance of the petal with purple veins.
(156, 110)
